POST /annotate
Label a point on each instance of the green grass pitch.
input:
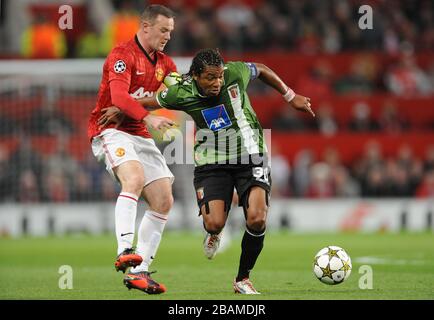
(402, 264)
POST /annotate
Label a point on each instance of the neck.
(199, 89)
(144, 43)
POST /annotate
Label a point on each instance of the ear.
(195, 77)
(145, 26)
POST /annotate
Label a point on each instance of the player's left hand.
(111, 115)
(302, 103)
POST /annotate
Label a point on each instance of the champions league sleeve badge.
(120, 66)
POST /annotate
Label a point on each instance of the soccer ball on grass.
(332, 265)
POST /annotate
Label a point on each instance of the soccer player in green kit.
(230, 150)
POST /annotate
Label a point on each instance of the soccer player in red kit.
(132, 70)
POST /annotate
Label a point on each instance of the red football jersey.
(129, 62)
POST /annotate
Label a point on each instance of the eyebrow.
(214, 75)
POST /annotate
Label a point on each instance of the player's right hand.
(111, 115)
(158, 123)
(302, 103)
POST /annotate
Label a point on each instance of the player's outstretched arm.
(297, 101)
(122, 99)
(149, 103)
(113, 115)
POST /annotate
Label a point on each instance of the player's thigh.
(158, 194)
(117, 150)
(214, 214)
(154, 163)
(214, 190)
(130, 174)
(253, 185)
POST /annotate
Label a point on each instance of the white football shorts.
(115, 147)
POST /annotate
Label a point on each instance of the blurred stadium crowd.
(387, 65)
(305, 26)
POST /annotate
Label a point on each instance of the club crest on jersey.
(217, 117)
(120, 66)
(233, 91)
(164, 93)
(200, 194)
(120, 152)
(159, 74)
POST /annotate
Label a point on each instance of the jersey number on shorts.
(261, 174)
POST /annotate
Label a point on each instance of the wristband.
(289, 95)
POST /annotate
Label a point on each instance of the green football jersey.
(227, 128)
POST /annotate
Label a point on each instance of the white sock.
(149, 237)
(125, 220)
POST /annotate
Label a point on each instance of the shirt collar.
(154, 61)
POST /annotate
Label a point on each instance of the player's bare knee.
(163, 204)
(214, 226)
(133, 184)
(256, 225)
(256, 219)
(167, 204)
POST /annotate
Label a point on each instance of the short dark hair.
(152, 11)
(205, 57)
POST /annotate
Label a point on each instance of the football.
(332, 265)
(172, 78)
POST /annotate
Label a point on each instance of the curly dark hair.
(205, 57)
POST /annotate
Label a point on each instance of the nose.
(168, 36)
(218, 83)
